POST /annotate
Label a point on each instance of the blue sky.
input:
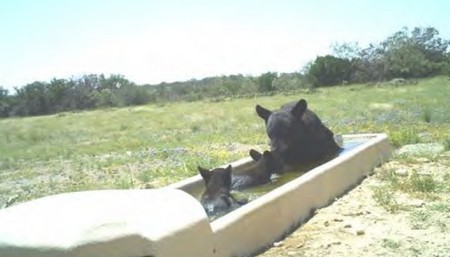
(155, 41)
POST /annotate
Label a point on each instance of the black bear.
(217, 197)
(219, 182)
(297, 135)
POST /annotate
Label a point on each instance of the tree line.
(406, 54)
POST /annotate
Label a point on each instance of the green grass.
(404, 136)
(154, 145)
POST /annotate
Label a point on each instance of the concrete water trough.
(171, 222)
(264, 220)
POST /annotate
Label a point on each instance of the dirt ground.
(358, 225)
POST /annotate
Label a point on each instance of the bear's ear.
(228, 170)
(262, 112)
(255, 154)
(299, 108)
(205, 173)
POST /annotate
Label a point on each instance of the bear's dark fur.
(217, 197)
(220, 181)
(266, 164)
(297, 135)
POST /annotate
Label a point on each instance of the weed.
(389, 243)
(426, 115)
(145, 176)
(440, 207)
(447, 143)
(389, 176)
(7, 137)
(195, 128)
(123, 127)
(415, 251)
(422, 183)
(430, 216)
(385, 198)
(414, 182)
(419, 219)
(124, 182)
(442, 225)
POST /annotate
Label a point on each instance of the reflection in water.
(278, 180)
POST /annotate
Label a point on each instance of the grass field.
(154, 145)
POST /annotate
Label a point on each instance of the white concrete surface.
(109, 223)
